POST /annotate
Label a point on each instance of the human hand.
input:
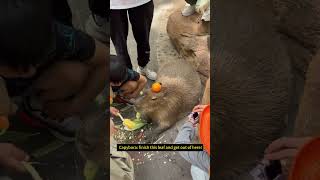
(112, 128)
(199, 108)
(11, 157)
(114, 111)
(285, 148)
(132, 95)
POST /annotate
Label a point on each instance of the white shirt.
(126, 4)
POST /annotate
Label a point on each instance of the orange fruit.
(156, 87)
(4, 123)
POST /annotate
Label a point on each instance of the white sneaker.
(206, 15)
(147, 72)
(188, 10)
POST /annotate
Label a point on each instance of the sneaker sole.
(186, 15)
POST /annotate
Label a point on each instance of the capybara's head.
(151, 102)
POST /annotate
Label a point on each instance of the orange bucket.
(204, 128)
(306, 166)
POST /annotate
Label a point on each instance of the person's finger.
(13, 164)
(286, 143)
(198, 110)
(19, 154)
(283, 154)
(196, 107)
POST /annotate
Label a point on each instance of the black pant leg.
(141, 20)
(119, 33)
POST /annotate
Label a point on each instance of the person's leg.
(98, 28)
(141, 20)
(61, 81)
(56, 84)
(119, 32)
(128, 88)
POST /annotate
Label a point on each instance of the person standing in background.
(98, 25)
(140, 13)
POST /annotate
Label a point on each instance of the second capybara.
(180, 92)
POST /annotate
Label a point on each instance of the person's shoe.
(33, 115)
(188, 10)
(206, 15)
(147, 72)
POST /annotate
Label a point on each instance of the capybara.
(180, 92)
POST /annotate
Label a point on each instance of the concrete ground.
(158, 165)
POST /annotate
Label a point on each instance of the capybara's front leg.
(153, 133)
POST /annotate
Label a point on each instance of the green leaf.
(15, 136)
(138, 125)
(2, 132)
(48, 148)
(138, 115)
(90, 170)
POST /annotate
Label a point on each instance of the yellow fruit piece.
(111, 100)
(156, 87)
(129, 124)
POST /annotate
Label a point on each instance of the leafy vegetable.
(90, 170)
(33, 172)
(48, 148)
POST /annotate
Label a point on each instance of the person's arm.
(141, 84)
(200, 159)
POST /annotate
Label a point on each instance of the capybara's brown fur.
(180, 92)
(206, 94)
(251, 81)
